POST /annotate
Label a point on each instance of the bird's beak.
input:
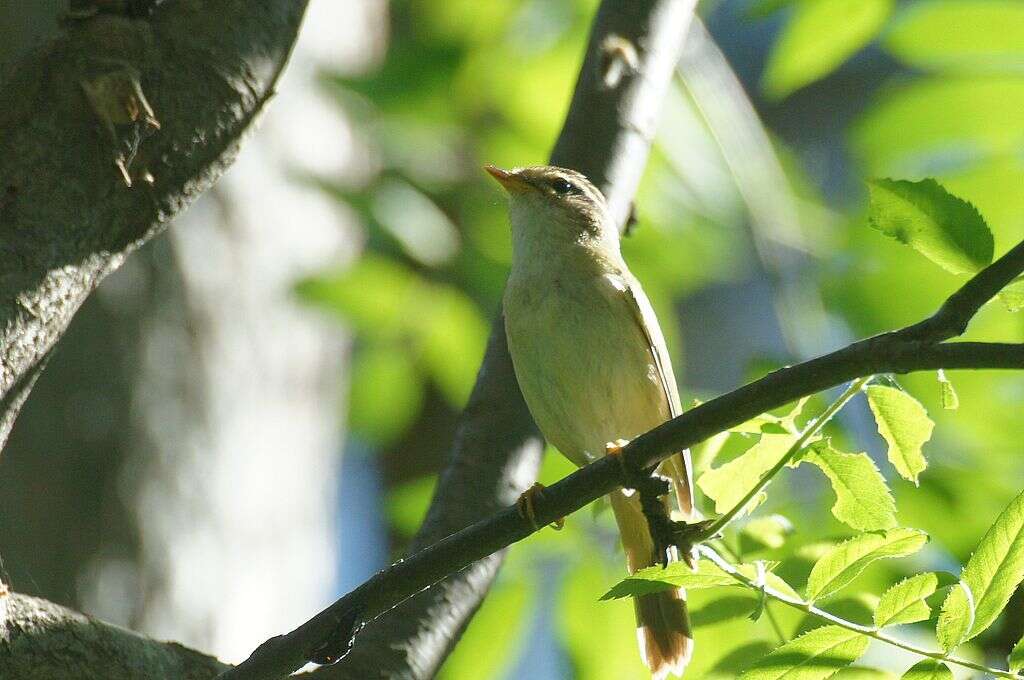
(512, 181)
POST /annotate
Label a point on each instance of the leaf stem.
(809, 608)
(811, 429)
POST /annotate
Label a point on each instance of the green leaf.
(765, 532)
(997, 566)
(675, 575)
(375, 294)
(773, 424)
(727, 484)
(1012, 297)
(955, 618)
(819, 37)
(1015, 660)
(407, 503)
(989, 34)
(904, 602)
(905, 426)
(844, 562)
(386, 393)
(950, 400)
(863, 500)
(859, 673)
(452, 334)
(946, 229)
(929, 669)
(815, 655)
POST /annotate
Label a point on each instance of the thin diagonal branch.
(901, 351)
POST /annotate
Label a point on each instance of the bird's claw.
(524, 504)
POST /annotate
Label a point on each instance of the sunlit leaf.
(727, 484)
(950, 400)
(955, 618)
(386, 393)
(773, 424)
(905, 426)
(374, 295)
(845, 561)
(904, 602)
(675, 575)
(815, 655)
(858, 673)
(1012, 297)
(946, 229)
(819, 37)
(1015, 660)
(929, 669)
(765, 532)
(989, 34)
(863, 500)
(997, 566)
(930, 124)
(453, 335)
(407, 504)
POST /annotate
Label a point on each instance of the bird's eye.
(562, 186)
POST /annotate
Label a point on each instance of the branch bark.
(67, 216)
(496, 453)
(915, 348)
(40, 641)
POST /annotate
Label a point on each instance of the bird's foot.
(526, 510)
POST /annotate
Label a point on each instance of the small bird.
(592, 364)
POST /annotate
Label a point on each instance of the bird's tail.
(662, 623)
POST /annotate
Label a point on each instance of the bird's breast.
(582, 362)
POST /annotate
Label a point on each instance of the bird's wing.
(648, 322)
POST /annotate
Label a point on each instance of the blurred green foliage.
(465, 82)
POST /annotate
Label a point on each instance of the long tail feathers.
(663, 627)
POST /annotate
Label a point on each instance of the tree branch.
(914, 348)
(205, 68)
(497, 449)
(40, 640)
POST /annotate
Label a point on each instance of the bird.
(592, 364)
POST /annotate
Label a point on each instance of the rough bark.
(67, 216)
(42, 641)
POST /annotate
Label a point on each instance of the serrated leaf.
(950, 400)
(819, 37)
(844, 562)
(997, 566)
(771, 423)
(929, 669)
(727, 484)
(765, 532)
(859, 673)
(905, 426)
(675, 575)
(863, 500)
(1015, 660)
(904, 602)
(946, 229)
(955, 618)
(815, 655)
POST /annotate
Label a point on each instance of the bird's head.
(551, 206)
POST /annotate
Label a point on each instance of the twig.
(900, 351)
(810, 430)
(809, 608)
